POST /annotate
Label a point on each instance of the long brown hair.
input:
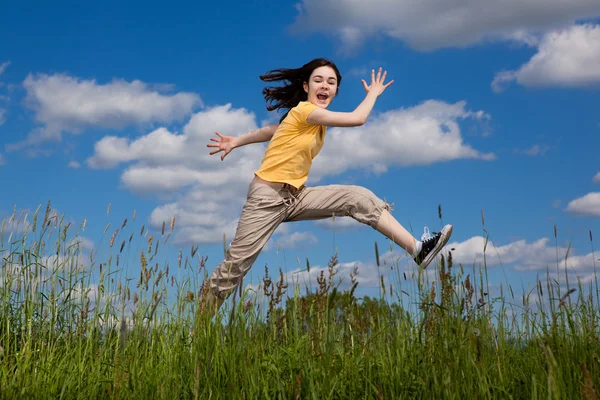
(289, 95)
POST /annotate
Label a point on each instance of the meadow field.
(120, 321)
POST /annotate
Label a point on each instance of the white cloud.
(539, 255)
(3, 66)
(203, 215)
(208, 194)
(187, 151)
(50, 264)
(368, 276)
(535, 150)
(472, 251)
(296, 239)
(428, 25)
(520, 256)
(588, 205)
(158, 146)
(77, 293)
(421, 135)
(394, 267)
(566, 57)
(165, 162)
(339, 224)
(68, 104)
(74, 164)
(83, 242)
(524, 36)
(596, 178)
(163, 178)
(398, 273)
(16, 224)
(357, 72)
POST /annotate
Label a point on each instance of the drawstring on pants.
(292, 199)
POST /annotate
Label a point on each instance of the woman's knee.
(364, 205)
(362, 197)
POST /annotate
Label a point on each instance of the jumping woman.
(278, 193)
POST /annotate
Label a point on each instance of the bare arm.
(228, 143)
(259, 135)
(321, 116)
(359, 116)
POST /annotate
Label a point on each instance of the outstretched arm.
(228, 143)
(259, 135)
(359, 116)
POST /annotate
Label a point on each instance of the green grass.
(137, 335)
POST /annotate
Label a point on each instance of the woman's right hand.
(377, 83)
(223, 143)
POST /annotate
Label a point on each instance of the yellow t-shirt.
(292, 148)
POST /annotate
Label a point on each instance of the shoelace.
(426, 235)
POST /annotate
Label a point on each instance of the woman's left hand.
(377, 83)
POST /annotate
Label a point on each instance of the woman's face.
(321, 86)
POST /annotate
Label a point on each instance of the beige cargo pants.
(269, 204)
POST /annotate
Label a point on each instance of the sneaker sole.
(446, 233)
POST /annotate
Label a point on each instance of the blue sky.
(492, 109)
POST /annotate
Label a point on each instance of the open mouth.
(322, 96)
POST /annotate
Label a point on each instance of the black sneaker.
(431, 245)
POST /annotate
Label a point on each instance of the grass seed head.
(112, 238)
